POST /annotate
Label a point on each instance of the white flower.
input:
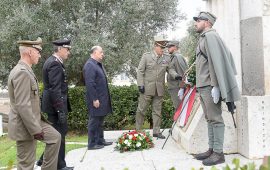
(126, 141)
(118, 145)
(138, 144)
(130, 136)
(136, 135)
(128, 144)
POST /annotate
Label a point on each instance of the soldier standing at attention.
(151, 84)
(55, 95)
(26, 124)
(215, 81)
(177, 68)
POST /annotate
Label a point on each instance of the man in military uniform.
(177, 68)
(151, 84)
(55, 95)
(215, 81)
(25, 124)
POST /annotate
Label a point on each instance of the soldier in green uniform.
(177, 68)
(151, 84)
(25, 124)
(216, 82)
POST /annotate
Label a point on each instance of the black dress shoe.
(96, 147)
(107, 143)
(67, 168)
(159, 135)
(39, 163)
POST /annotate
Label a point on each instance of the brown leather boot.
(214, 159)
(204, 155)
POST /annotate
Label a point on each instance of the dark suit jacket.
(55, 94)
(96, 88)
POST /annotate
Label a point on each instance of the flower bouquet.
(134, 140)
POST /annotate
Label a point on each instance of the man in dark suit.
(97, 98)
(55, 95)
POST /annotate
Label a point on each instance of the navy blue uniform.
(55, 99)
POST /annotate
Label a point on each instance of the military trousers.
(26, 150)
(143, 104)
(174, 96)
(213, 116)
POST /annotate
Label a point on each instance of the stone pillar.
(254, 129)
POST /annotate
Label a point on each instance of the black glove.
(178, 77)
(62, 119)
(231, 106)
(141, 89)
(39, 136)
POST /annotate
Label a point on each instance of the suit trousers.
(95, 131)
(174, 96)
(26, 150)
(143, 104)
(213, 115)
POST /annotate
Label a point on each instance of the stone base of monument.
(254, 127)
(251, 138)
(194, 138)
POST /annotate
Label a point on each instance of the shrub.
(124, 103)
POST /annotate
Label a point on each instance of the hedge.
(124, 103)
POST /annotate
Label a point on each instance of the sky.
(191, 8)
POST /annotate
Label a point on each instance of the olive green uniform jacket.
(216, 67)
(178, 66)
(151, 73)
(25, 115)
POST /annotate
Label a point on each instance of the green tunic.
(218, 69)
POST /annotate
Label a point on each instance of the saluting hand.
(96, 103)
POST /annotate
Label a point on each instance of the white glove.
(181, 93)
(186, 81)
(215, 92)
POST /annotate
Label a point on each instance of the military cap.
(62, 43)
(206, 16)
(172, 43)
(160, 41)
(28, 43)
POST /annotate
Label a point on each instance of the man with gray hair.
(98, 98)
(215, 81)
(26, 124)
(55, 101)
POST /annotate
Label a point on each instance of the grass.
(8, 148)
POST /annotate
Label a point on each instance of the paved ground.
(152, 159)
(4, 105)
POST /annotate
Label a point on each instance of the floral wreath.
(134, 140)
